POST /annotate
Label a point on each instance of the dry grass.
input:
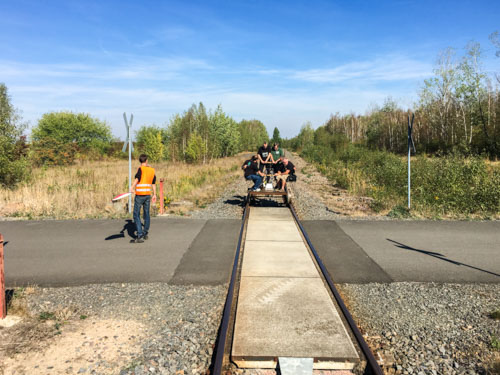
(18, 304)
(85, 190)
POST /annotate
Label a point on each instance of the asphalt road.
(61, 253)
(438, 251)
(190, 251)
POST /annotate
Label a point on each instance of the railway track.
(221, 363)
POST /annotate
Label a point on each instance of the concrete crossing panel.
(289, 317)
(270, 213)
(284, 309)
(283, 231)
(278, 259)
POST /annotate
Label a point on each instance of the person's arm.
(136, 181)
(132, 188)
(153, 187)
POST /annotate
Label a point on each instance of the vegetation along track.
(221, 357)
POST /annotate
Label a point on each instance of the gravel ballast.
(427, 328)
(181, 321)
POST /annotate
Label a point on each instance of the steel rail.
(373, 367)
(226, 316)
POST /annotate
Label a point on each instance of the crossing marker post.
(161, 196)
(3, 302)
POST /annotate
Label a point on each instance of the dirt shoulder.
(312, 186)
(64, 340)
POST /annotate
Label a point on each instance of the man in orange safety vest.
(143, 186)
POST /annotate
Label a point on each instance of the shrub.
(449, 184)
(50, 151)
(14, 165)
(150, 142)
(79, 135)
(195, 148)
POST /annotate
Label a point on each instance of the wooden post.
(3, 302)
(162, 204)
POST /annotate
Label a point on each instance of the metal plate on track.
(295, 366)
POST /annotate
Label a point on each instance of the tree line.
(458, 111)
(198, 136)
(60, 138)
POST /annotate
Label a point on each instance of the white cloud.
(157, 88)
(286, 109)
(390, 68)
(154, 68)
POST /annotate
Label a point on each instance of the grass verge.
(84, 190)
(442, 187)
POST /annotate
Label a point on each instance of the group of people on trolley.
(267, 166)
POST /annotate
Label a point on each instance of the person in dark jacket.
(253, 173)
(285, 169)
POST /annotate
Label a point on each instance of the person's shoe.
(257, 189)
(139, 240)
(145, 237)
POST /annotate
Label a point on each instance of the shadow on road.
(439, 256)
(129, 227)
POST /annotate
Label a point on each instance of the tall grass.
(85, 190)
(447, 186)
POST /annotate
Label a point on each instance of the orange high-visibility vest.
(145, 185)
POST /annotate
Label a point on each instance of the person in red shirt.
(144, 187)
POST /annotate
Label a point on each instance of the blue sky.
(282, 62)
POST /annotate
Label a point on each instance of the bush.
(14, 165)
(150, 142)
(446, 185)
(79, 135)
(457, 184)
(50, 152)
(195, 149)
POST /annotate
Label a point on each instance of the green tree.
(14, 165)
(305, 137)
(195, 150)
(472, 95)
(149, 140)
(66, 131)
(495, 40)
(252, 134)
(276, 136)
(224, 133)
